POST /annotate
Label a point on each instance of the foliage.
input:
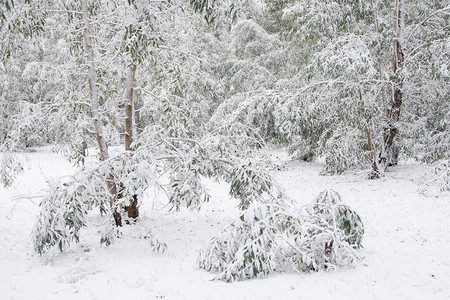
(246, 248)
(64, 210)
(329, 88)
(270, 237)
(329, 206)
(163, 161)
(9, 168)
(217, 12)
(436, 181)
(67, 203)
(313, 75)
(427, 110)
(442, 176)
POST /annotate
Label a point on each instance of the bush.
(267, 237)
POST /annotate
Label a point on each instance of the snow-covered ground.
(406, 246)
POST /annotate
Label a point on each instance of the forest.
(302, 142)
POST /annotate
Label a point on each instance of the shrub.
(267, 237)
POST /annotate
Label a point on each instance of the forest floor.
(406, 252)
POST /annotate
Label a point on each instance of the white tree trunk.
(103, 146)
(129, 106)
(95, 109)
(132, 208)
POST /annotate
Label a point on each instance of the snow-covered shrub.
(442, 173)
(64, 211)
(328, 206)
(299, 149)
(65, 208)
(426, 124)
(329, 119)
(345, 149)
(147, 234)
(268, 237)
(437, 180)
(426, 136)
(9, 168)
(246, 248)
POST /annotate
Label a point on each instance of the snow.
(405, 252)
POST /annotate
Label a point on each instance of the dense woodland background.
(315, 75)
(185, 90)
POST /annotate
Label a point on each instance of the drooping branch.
(424, 20)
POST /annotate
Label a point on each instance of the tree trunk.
(373, 164)
(103, 146)
(129, 106)
(131, 209)
(388, 154)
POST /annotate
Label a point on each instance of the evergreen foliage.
(212, 82)
(436, 181)
(158, 153)
(270, 237)
(331, 82)
(313, 74)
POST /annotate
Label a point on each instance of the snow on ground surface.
(406, 254)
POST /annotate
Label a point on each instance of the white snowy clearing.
(405, 255)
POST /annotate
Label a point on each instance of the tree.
(186, 101)
(132, 22)
(388, 153)
(171, 144)
(333, 90)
